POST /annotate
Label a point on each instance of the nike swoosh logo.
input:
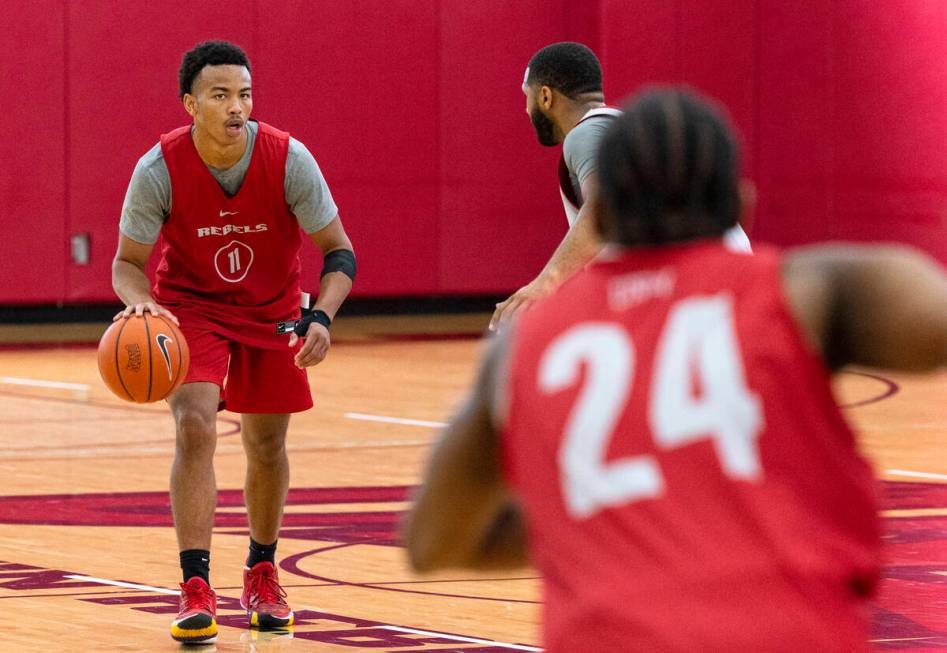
(163, 341)
(223, 214)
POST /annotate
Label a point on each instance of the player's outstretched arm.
(130, 281)
(580, 244)
(880, 306)
(463, 514)
(334, 286)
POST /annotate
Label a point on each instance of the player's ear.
(747, 214)
(190, 103)
(546, 97)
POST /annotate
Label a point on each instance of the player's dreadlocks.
(570, 68)
(208, 53)
(668, 171)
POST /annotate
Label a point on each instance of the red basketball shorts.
(251, 380)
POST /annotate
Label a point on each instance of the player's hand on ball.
(506, 311)
(141, 307)
(315, 346)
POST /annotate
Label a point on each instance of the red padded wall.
(360, 89)
(500, 213)
(840, 105)
(414, 111)
(32, 173)
(889, 123)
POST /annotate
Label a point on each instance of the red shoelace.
(197, 597)
(265, 588)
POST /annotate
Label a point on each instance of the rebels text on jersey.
(215, 230)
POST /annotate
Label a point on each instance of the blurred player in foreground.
(566, 104)
(663, 428)
(229, 196)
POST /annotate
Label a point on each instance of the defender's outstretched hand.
(507, 310)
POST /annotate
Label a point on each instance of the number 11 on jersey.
(699, 338)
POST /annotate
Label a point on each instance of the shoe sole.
(204, 635)
(264, 621)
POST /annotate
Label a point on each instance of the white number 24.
(698, 338)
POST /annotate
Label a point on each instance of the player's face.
(543, 124)
(221, 102)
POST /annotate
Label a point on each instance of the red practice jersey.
(230, 264)
(688, 480)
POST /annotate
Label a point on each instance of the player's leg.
(193, 485)
(267, 481)
(265, 386)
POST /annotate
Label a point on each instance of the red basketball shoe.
(263, 598)
(196, 622)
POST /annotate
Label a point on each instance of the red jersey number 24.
(699, 339)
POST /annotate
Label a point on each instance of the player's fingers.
(305, 351)
(318, 351)
(317, 354)
(510, 311)
(293, 339)
(519, 308)
(119, 316)
(498, 314)
(171, 316)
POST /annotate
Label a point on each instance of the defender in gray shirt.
(566, 104)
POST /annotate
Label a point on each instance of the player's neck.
(216, 154)
(577, 111)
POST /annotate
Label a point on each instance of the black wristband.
(321, 317)
(301, 326)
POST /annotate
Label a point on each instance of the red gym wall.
(413, 110)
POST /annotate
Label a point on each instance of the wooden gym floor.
(89, 557)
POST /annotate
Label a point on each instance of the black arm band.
(339, 260)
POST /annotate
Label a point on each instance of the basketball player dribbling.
(228, 195)
(661, 432)
(566, 104)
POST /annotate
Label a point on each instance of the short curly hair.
(208, 53)
(668, 169)
(568, 67)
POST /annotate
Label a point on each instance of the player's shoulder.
(152, 163)
(587, 134)
(266, 130)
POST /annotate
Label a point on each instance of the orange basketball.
(143, 359)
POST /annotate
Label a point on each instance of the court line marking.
(396, 420)
(459, 638)
(905, 472)
(115, 451)
(119, 583)
(41, 383)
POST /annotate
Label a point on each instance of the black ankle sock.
(196, 562)
(261, 553)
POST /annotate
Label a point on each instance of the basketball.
(143, 358)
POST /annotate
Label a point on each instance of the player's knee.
(196, 433)
(265, 448)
